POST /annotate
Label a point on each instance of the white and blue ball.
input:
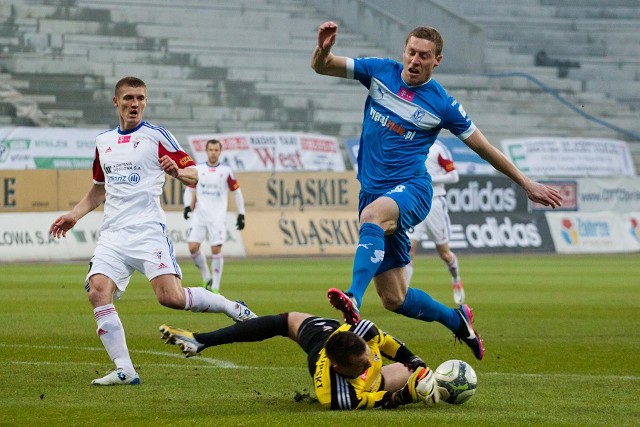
(457, 381)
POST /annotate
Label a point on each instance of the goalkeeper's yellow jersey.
(335, 391)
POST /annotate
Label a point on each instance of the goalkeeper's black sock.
(403, 396)
(257, 329)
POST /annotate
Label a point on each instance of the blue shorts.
(413, 198)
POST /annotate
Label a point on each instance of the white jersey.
(437, 224)
(128, 165)
(214, 184)
(441, 168)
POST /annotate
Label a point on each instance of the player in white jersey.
(129, 170)
(437, 224)
(208, 202)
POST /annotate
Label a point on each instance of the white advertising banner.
(574, 157)
(631, 223)
(615, 194)
(601, 232)
(25, 237)
(608, 194)
(47, 148)
(273, 151)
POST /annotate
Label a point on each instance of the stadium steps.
(585, 31)
(602, 37)
(204, 74)
(91, 44)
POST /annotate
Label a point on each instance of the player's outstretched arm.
(94, 198)
(323, 61)
(537, 192)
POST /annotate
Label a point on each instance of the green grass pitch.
(562, 338)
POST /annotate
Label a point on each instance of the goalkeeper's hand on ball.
(421, 387)
(428, 387)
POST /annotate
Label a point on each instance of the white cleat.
(117, 377)
(244, 312)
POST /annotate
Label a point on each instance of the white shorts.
(436, 226)
(214, 231)
(142, 247)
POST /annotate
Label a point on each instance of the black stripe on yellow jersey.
(335, 391)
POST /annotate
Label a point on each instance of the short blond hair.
(131, 82)
(427, 33)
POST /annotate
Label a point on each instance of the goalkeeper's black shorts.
(312, 334)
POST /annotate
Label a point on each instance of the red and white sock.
(200, 300)
(111, 333)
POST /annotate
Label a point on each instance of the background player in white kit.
(208, 202)
(128, 175)
(437, 224)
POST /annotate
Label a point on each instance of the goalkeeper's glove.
(421, 387)
(414, 363)
(240, 222)
(186, 212)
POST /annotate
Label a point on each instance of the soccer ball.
(457, 381)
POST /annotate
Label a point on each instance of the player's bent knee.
(171, 303)
(391, 303)
(169, 291)
(98, 299)
(171, 300)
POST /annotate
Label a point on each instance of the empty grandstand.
(520, 67)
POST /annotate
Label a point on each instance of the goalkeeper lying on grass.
(344, 360)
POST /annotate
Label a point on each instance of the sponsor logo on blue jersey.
(418, 115)
(386, 122)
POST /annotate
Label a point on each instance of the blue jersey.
(400, 123)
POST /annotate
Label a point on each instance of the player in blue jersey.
(404, 111)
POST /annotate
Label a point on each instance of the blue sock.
(419, 305)
(369, 255)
